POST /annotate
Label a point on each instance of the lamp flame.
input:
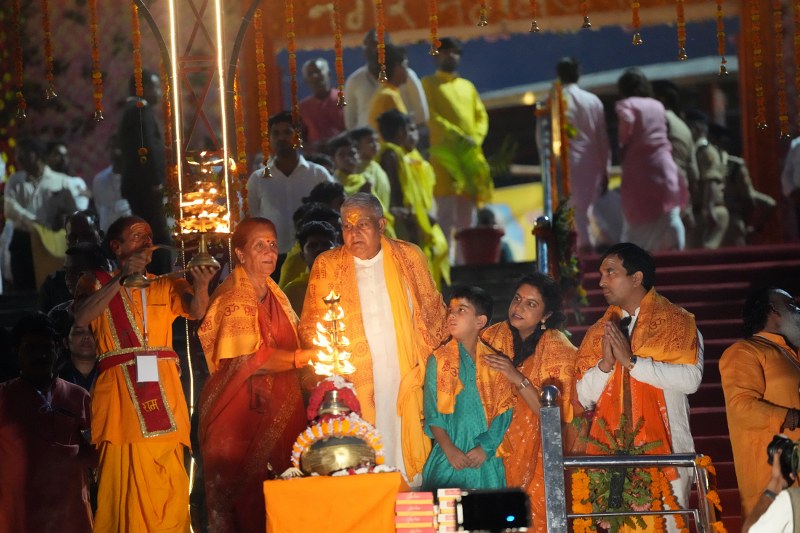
(332, 356)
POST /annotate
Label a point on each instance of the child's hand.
(476, 456)
(457, 458)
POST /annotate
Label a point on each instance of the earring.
(543, 326)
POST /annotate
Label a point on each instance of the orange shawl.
(665, 333)
(407, 273)
(496, 393)
(230, 328)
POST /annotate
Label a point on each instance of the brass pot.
(325, 457)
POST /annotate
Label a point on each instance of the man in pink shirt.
(321, 116)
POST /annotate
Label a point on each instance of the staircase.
(712, 284)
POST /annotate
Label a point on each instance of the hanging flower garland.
(433, 19)
(636, 23)
(297, 140)
(136, 41)
(681, 15)
(483, 19)
(704, 462)
(758, 64)
(534, 14)
(50, 92)
(338, 53)
(580, 501)
(585, 12)
(783, 110)
(263, 109)
(167, 105)
(22, 105)
(796, 19)
(380, 35)
(240, 179)
(97, 75)
(723, 69)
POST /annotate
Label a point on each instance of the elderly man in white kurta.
(394, 318)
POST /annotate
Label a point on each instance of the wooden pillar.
(763, 150)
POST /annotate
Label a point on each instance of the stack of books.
(415, 513)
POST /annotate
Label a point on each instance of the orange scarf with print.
(495, 391)
(663, 332)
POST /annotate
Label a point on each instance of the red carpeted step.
(708, 395)
(711, 371)
(729, 500)
(708, 422)
(686, 292)
(714, 348)
(721, 256)
(718, 447)
(733, 524)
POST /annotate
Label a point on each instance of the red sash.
(149, 400)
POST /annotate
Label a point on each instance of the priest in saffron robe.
(533, 353)
(760, 379)
(140, 421)
(394, 317)
(251, 408)
(641, 360)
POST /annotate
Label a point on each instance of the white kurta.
(677, 382)
(358, 91)
(778, 518)
(376, 313)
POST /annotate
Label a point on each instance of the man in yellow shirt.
(760, 380)
(393, 316)
(388, 96)
(140, 422)
(458, 125)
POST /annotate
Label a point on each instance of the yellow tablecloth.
(347, 504)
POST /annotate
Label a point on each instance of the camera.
(785, 445)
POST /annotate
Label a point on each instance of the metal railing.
(554, 464)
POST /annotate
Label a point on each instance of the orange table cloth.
(346, 504)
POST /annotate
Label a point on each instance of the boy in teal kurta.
(467, 404)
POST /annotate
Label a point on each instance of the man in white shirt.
(589, 151)
(106, 189)
(394, 318)
(278, 192)
(775, 510)
(58, 159)
(36, 194)
(641, 359)
(363, 83)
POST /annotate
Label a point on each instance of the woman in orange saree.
(251, 408)
(538, 354)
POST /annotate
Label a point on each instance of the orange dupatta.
(496, 393)
(665, 333)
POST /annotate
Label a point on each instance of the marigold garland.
(758, 64)
(19, 69)
(339, 53)
(483, 19)
(703, 461)
(668, 496)
(380, 36)
(681, 16)
(167, 105)
(263, 109)
(50, 92)
(580, 501)
(297, 140)
(585, 12)
(136, 42)
(783, 110)
(636, 23)
(433, 20)
(723, 69)
(534, 14)
(239, 181)
(97, 75)
(351, 425)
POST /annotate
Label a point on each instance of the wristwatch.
(525, 383)
(633, 362)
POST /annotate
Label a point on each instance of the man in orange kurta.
(760, 380)
(393, 316)
(641, 360)
(140, 422)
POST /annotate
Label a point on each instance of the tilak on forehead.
(354, 215)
